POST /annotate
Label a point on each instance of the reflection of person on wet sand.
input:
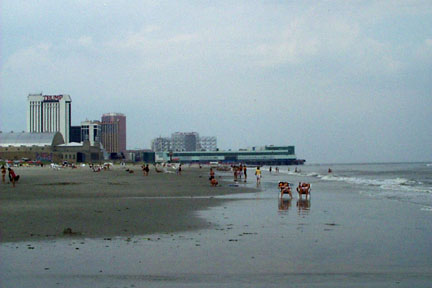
(303, 204)
(284, 204)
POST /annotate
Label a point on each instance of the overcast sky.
(343, 81)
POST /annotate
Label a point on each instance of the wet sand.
(103, 204)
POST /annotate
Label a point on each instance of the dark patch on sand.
(58, 184)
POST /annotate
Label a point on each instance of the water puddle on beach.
(254, 240)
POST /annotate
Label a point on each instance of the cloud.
(38, 55)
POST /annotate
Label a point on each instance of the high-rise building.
(185, 141)
(49, 113)
(161, 144)
(113, 132)
(208, 143)
(91, 131)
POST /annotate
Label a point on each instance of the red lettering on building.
(53, 97)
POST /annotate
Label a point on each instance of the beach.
(110, 203)
(372, 234)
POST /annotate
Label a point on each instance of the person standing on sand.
(245, 172)
(12, 176)
(3, 171)
(212, 174)
(179, 170)
(258, 175)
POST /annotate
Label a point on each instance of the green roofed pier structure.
(268, 155)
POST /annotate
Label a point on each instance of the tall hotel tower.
(49, 113)
(114, 132)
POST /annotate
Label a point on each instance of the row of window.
(69, 156)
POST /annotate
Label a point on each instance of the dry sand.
(112, 203)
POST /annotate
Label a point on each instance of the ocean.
(405, 182)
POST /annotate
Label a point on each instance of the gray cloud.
(343, 81)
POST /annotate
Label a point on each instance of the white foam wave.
(371, 182)
(394, 184)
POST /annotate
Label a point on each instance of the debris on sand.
(68, 231)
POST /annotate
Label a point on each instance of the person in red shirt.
(12, 176)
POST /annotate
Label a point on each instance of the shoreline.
(47, 204)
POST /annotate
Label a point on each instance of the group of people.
(276, 169)
(13, 178)
(239, 171)
(303, 188)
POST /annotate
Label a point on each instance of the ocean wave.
(399, 184)
(391, 184)
(428, 209)
(370, 182)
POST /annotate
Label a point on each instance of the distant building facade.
(75, 134)
(161, 144)
(91, 131)
(184, 141)
(208, 143)
(46, 147)
(49, 113)
(140, 155)
(113, 132)
(268, 155)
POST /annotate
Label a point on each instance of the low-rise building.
(268, 155)
(46, 147)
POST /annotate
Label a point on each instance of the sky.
(343, 81)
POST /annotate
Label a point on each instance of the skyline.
(342, 81)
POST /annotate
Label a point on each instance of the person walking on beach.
(212, 174)
(145, 169)
(179, 170)
(245, 173)
(258, 175)
(3, 171)
(12, 176)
